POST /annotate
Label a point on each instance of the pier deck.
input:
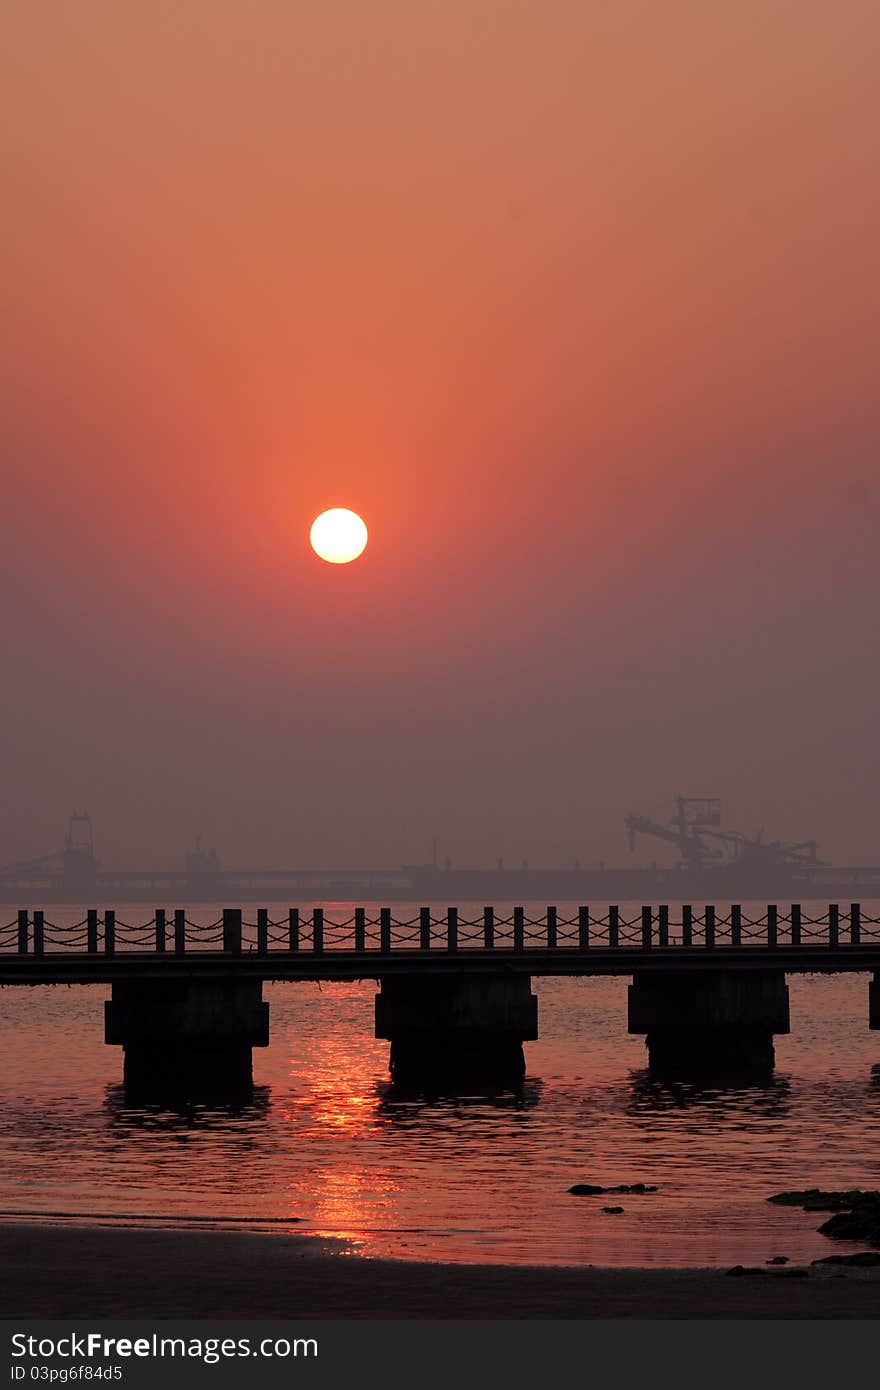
(708, 988)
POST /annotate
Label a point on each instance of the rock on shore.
(855, 1211)
(586, 1189)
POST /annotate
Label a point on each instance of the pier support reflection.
(767, 1097)
(401, 1104)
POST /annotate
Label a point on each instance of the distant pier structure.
(714, 864)
(708, 986)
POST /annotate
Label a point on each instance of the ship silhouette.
(714, 864)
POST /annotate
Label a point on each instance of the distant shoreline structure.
(430, 884)
(714, 865)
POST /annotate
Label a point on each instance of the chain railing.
(369, 932)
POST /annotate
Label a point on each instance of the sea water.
(328, 1145)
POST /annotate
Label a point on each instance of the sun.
(338, 535)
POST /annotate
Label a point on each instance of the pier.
(708, 987)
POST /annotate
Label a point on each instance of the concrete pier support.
(874, 1001)
(457, 1029)
(190, 1038)
(709, 1021)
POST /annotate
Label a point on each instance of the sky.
(577, 304)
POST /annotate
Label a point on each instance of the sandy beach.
(77, 1271)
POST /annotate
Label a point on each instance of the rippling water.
(328, 1141)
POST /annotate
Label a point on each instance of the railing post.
(317, 930)
(488, 928)
(614, 927)
(709, 911)
(855, 923)
(262, 930)
(834, 925)
(293, 929)
(736, 924)
(360, 929)
(39, 934)
(519, 930)
(425, 928)
(385, 930)
(663, 924)
(772, 926)
(160, 929)
(179, 931)
(23, 924)
(109, 933)
(795, 924)
(551, 928)
(647, 925)
(232, 930)
(687, 925)
(452, 929)
(584, 928)
(92, 932)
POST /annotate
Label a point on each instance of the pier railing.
(382, 932)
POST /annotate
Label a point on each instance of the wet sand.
(77, 1271)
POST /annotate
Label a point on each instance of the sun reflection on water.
(329, 1146)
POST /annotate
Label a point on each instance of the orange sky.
(577, 303)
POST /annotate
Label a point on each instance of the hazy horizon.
(610, 850)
